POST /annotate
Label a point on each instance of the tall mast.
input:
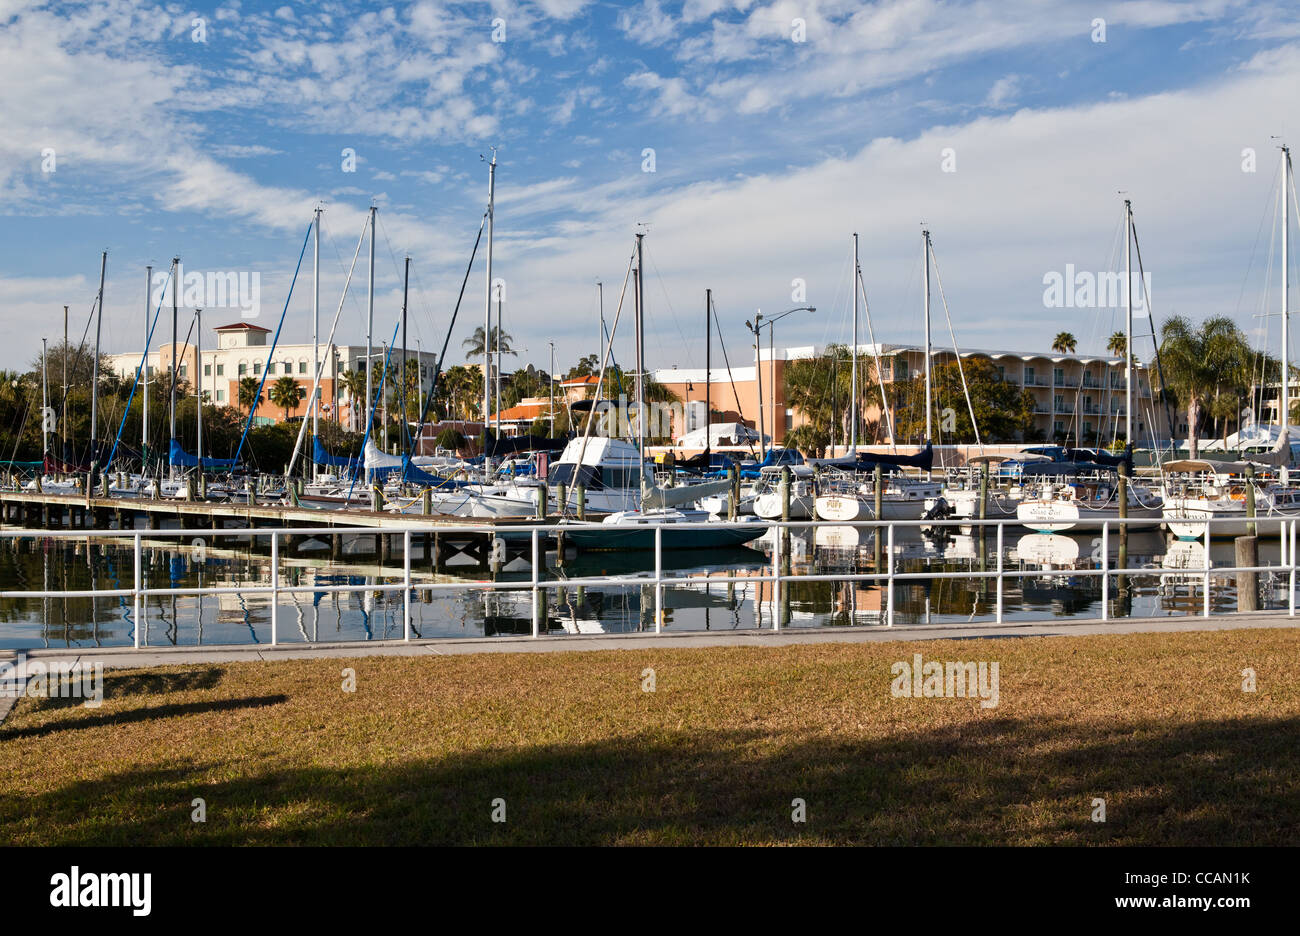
(1128, 323)
(925, 256)
(176, 288)
(370, 316)
(315, 330)
(600, 345)
(94, 371)
(1286, 271)
(45, 406)
(853, 381)
(708, 358)
(497, 343)
(198, 379)
(63, 418)
(144, 408)
(401, 380)
(487, 310)
(640, 347)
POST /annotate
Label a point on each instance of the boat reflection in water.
(1053, 585)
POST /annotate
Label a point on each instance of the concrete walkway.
(174, 656)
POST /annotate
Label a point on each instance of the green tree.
(1002, 409)
(1064, 343)
(473, 345)
(1117, 344)
(286, 394)
(1195, 360)
(248, 391)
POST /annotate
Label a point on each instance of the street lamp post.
(755, 327)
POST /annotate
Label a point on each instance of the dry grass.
(1156, 724)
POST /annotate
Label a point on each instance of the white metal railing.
(1287, 538)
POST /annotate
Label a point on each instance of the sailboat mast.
(370, 316)
(144, 407)
(708, 363)
(925, 257)
(487, 308)
(1128, 323)
(853, 380)
(406, 282)
(171, 399)
(45, 406)
(497, 343)
(198, 380)
(94, 371)
(315, 331)
(640, 347)
(1286, 275)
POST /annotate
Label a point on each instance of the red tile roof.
(241, 325)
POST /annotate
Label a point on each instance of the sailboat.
(658, 517)
(847, 497)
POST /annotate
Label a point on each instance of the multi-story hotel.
(1078, 394)
(241, 350)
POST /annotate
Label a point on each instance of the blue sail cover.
(321, 457)
(180, 458)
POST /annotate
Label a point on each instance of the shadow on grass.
(138, 683)
(992, 781)
(146, 713)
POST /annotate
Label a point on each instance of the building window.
(900, 369)
(207, 370)
(302, 367)
(1058, 374)
(221, 370)
(243, 369)
(221, 396)
(1029, 375)
(184, 368)
(257, 367)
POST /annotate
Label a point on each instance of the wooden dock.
(33, 510)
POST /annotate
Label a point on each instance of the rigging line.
(252, 410)
(329, 347)
(731, 377)
(1258, 231)
(956, 353)
(370, 417)
(442, 355)
(875, 348)
(600, 384)
(334, 245)
(1142, 278)
(663, 287)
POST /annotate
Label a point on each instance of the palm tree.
(1118, 344)
(1064, 343)
(474, 343)
(286, 394)
(354, 382)
(248, 387)
(1197, 360)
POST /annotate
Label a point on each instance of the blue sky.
(768, 154)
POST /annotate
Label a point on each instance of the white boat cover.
(655, 497)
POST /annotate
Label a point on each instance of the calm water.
(691, 602)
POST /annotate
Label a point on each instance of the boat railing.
(774, 579)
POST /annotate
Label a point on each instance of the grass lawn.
(1157, 724)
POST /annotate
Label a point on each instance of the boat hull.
(1057, 516)
(605, 536)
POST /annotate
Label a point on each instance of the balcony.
(1066, 409)
(1070, 382)
(1037, 382)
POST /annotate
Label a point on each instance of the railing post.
(1001, 527)
(1105, 570)
(406, 580)
(776, 566)
(275, 587)
(537, 624)
(1291, 555)
(135, 598)
(889, 580)
(659, 574)
(1208, 564)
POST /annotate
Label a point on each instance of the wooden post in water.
(785, 492)
(376, 498)
(426, 502)
(541, 502)
(984, 493)
(561, 497)
(1250, 504)
(733, 500)
(582, 501)
(1247, 554)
